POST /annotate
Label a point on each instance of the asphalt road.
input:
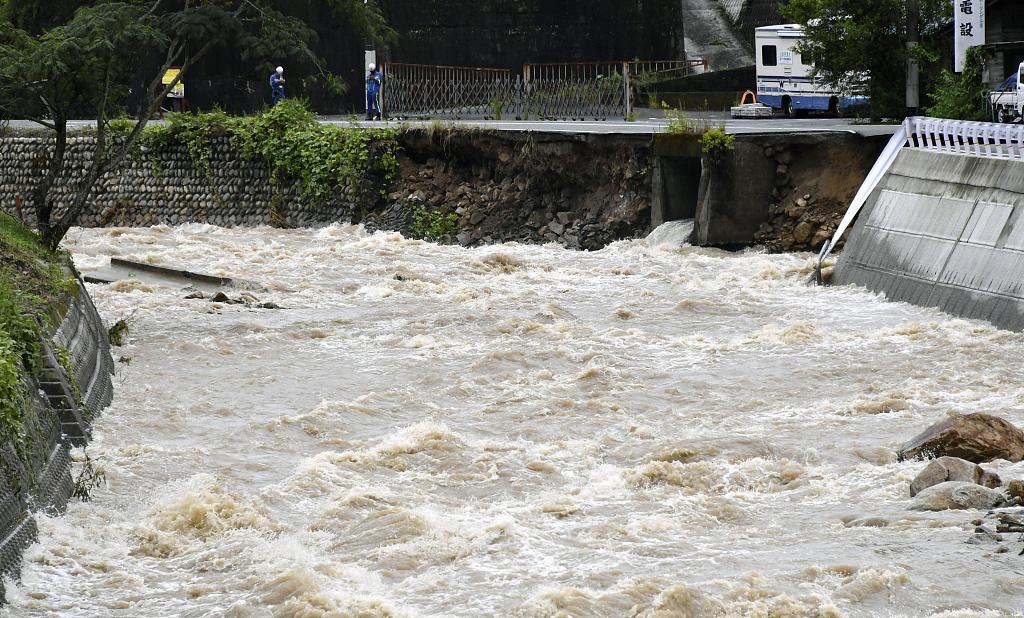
(642, 126)
(650, 126)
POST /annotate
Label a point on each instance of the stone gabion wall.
(164, 186)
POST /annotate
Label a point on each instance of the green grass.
(32, 283)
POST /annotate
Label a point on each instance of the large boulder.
(953, 469)
(974, 437)
(957, 495)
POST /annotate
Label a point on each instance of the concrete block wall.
(944, 230)
(43, 482)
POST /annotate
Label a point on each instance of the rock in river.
(953, 469)
(974, 437)
(957, 495)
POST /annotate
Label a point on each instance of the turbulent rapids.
(423, 430)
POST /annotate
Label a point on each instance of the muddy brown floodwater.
(518, 430)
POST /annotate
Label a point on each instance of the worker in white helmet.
(277, 85)
(373, 87)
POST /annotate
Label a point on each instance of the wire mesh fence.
(557, 91)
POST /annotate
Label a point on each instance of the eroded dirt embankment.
(582, 191)
(814, 185)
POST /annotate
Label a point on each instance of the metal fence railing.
(662, 70)
(555, 91)
(443, 91)
(577, 91)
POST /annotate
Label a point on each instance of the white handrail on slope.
(878, 171)
(979, 139)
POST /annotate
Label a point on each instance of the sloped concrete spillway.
(945, 226)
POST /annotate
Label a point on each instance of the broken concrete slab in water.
(121, 270)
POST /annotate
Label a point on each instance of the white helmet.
(280, 70)
(372, 66)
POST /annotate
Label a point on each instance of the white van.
(784, 80)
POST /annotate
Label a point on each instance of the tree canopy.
(89, 58)
(860, 45)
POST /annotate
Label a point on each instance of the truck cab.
(784, 78)
(1008, 98)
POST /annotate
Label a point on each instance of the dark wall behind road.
(509, 33)
(226, 80)
(499, 33)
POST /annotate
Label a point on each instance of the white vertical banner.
(968, 28)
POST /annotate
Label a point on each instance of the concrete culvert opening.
(676, 189)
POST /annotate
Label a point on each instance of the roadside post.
(913, 66)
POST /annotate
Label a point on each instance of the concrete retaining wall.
(785, 191)
(947, 231)
(60, 409)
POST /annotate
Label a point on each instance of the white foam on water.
(652, 429)
(671, 234)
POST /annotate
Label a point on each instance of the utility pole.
(370, 56)
(913, 66)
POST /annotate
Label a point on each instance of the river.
(423, 430)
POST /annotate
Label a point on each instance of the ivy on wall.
(325, 159)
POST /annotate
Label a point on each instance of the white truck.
(784, 80)
(1008, 98)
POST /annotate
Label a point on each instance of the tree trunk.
(58, 229)
(41, 202)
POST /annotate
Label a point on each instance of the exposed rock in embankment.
(580, 191)
(814, 185)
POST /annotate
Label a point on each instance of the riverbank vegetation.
(963, 96)
(32, 282)
(325, 159)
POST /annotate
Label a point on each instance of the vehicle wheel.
(833, 107)
(787, 109)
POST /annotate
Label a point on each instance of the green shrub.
(716, 143)
(12, 393)
(679, 123)
(964, 96)
(323, 159)
(118, 333)
(433, 225)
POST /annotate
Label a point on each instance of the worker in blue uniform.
(373, 87)
(277, 85)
